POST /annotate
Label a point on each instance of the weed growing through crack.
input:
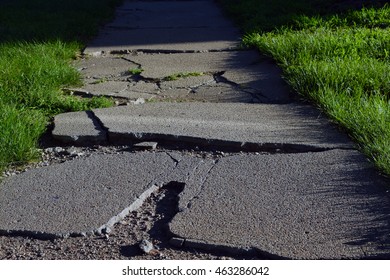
(136, 71)
(100, 81)
(178, 76)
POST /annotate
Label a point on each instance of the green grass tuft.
(20, 131)
(178, 76)
(136, 71)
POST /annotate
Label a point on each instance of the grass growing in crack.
(178, 76)
(136, 71)
(341, 61)
(100, 81)
(38, 41)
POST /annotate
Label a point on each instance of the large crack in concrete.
(168, 207)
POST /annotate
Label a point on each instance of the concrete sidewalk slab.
(168, 40)
(303, 193)
(166, 25)
(169, 14)
(223, 122)
(232, 76)
(218, 93)
(85, 195)
(158, 66)
(79, 128)
(104, 67)
(323, 205)
(326, 205)
(226, 124)
(246, 72)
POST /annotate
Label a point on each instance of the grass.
(39, 40)
(136, 71)
(340, 61)
(178, 76)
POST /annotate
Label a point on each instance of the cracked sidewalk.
(291, 185)
(225, 76)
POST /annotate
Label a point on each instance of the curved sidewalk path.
(293, 187)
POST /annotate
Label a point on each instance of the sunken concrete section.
(326, 205)
(166, 26)
(224, 124)
(86, 195)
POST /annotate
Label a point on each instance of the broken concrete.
(82, 196)
(224, 124)
(305, 193)
(157, 66)
(107, 88)
(327, 205)
(104, 67)
(80, 128)
(323, 205)
(207, 93)
(235, 76)
(246, 73)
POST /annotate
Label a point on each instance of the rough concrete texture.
(208, 93)
(169, 14)
(327, 205)
(233, 76)
(324, 205)
(188, 39)
(244, 71)
(85, 195)
(104, 67)
(78, 128)
(314, 197)
(226, 122)
(166, 25)
(163, 65)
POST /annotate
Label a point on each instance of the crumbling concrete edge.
(106, 228)
(202, 142)
(85, 140)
